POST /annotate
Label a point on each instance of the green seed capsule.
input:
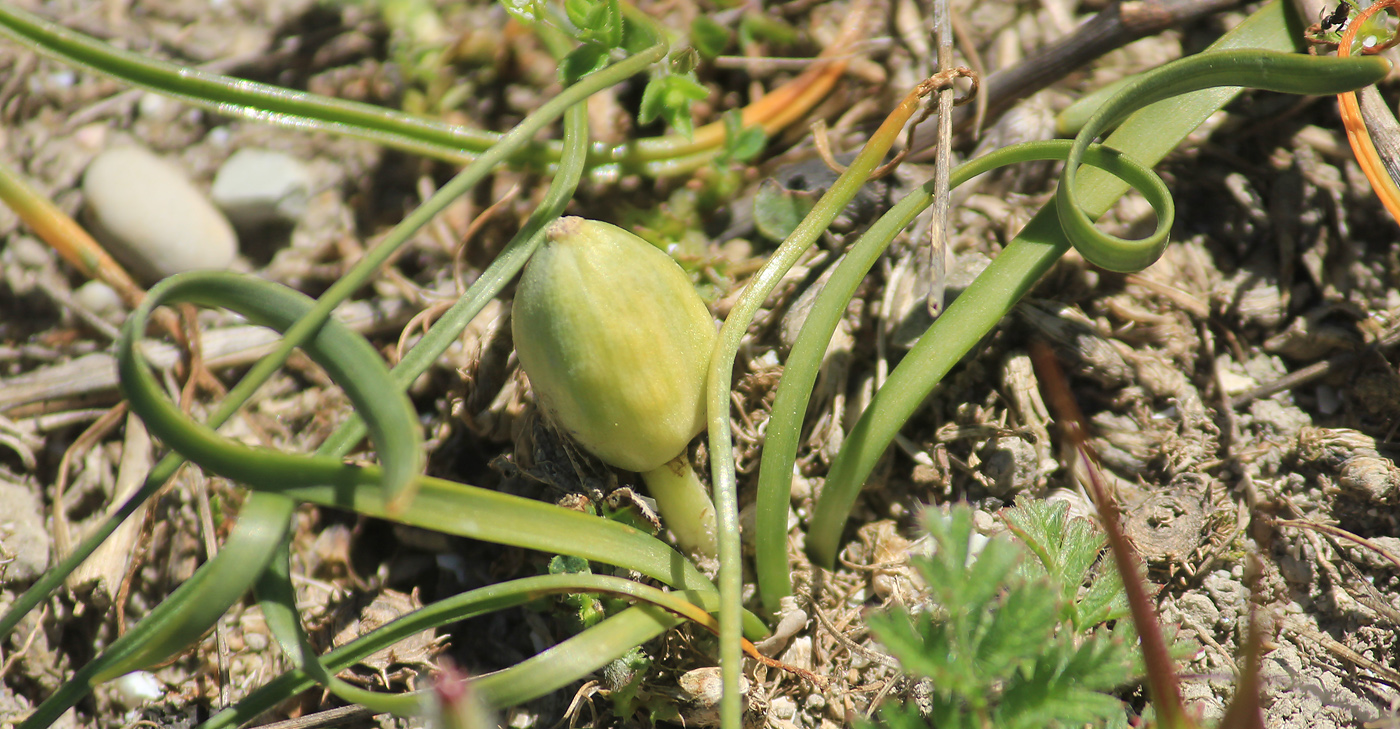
(615, 341)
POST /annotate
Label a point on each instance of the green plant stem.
(245, 98)
(199, 599)
(678, 490)
(493, 280)
(433, 344)
(721, 380)
(441, 336)
(440, 505)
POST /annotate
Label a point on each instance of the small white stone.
(259, 186)
(154, 107)
(137, 688)
(29, 252)
(99, 298)
(152, 217)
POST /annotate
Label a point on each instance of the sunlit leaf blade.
(717, 391)
(278, 600)
(454, 508)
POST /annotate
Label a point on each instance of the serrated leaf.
(1103, 601)
(1065, 686)
(1023, 623)
(1101, 662)
(991, 571)
(994, 646)
(922, 652)
(1067, 551)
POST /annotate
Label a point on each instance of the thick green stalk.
(678, 490)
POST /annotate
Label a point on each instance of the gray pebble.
(1199, 608)
(152, 217)
(22, 534)
(259, 186)
(1011, 465)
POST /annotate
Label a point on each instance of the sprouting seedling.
(615, 341)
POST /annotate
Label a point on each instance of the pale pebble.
(152, 218)
(99, 298)
(260, 186)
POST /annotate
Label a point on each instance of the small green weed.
(1015, 633)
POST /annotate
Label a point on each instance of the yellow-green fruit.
(616, 343)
